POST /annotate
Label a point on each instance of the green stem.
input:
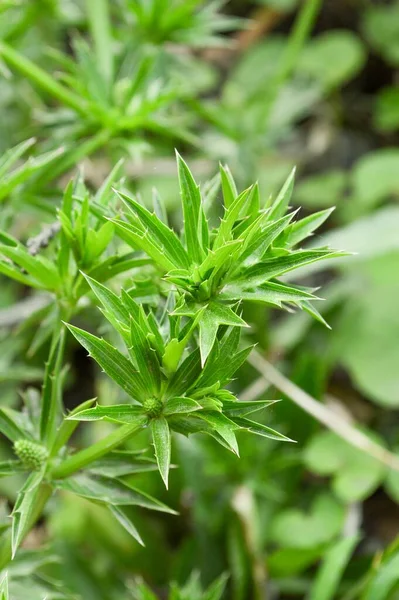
(45, 492)
(88, 455)
(52, 388)
(300, 33)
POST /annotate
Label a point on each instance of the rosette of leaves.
(194, 23)
(108, 93)
(214, 269)
(191, 590)
(168, 387)
(52, 261)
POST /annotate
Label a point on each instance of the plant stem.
(88, 455)
(301, 30)
(332, 420)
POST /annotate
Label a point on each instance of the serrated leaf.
(120, 464)
(260, 429)
(112, 491)
(68, 426)
(181, 405)
(139, 239)
(274, 267)
(186, 374)
(300, 230)
(213, 316)
(279, 206)
(24, 507)
(232, 213)
(240, 408)
(165, 237)
(271, 293)
(223, 426)
(115, 364)
(114, 309)
(145, 357)
(228, 186)
(162, 445)
(116, 413)
(38, 267)
(191, 201)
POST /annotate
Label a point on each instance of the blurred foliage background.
(261, 86)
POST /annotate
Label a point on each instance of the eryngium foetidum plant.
(181, 351)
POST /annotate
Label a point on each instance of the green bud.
(153, 407)
(32, 455)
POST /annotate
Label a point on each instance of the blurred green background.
(261, 86)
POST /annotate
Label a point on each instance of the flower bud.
(32, 455)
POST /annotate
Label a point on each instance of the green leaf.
(116, 413)
(181, 405)
(213, 316)
(273, 267)
(138, 238)
(356, 474)
(38, 267)
(384, 581)
(122, 518)
(191, 200)
(260, 429)
(332, 58)
(68, 426)
(271, 293)
(11, 156)
(386, 112)
(115, 364)
(114, 309)
(109, 491)
(24, 508)
(163, 236)
(280, 204)
(232, 213)
(293, 528)
(120, 464)
(216, 589)
(10, 427)
(228, 186)
(223, 427)
(145, 357)
(162, 445)
(239, 408)
(375, 176)
(4, 587)
(327, 580)
(300, 230)
(9, 270)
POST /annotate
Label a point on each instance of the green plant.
(174, 379)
